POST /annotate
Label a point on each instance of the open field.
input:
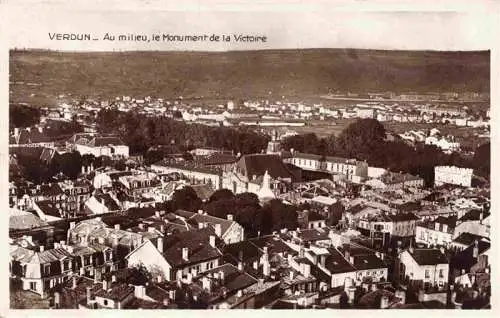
(241, 75)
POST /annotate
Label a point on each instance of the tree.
(361, 138)
(186, 199)
(221, 194)
(482, 161)
(23, 116)
(70, 164)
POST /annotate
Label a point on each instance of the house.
(248, 174)
(383, 228)
(464, 240)
(30, 137)
(351, 168)
(227, 229)
(179, 256)
(423, 268)
(40, 270)
(102, 146)
(438, 232)
(394, 181)
(475, 222)
(225, 287)
(48, 211)
(137, 184)
(195, 172)
(452, 175)
(101, 203)
(77, 193)
(474, 258)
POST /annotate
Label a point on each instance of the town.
(152, 203)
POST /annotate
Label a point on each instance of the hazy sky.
(298, 25)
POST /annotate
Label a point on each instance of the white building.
(102, 146)
(452, 175)
(424, 267)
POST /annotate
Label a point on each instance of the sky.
(299, 24)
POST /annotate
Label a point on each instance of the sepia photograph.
(312, 166)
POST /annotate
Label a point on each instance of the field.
(38, 77)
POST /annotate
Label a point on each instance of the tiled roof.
(203, 191)
(196, 218)
(336, 263)
(105, 141)
(19, 220)
(473, 215)
(234, 280)
(117, 291)
(48, 208)
(197, 241)
(467, 238)
(108, 201)
(48, 256)
(424, 256)
(258, 164)
(217, 159)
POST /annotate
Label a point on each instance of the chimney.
(239, 293)
(201, 225)
(266, 268)
(42, 248)
(117, 226)
(350, 294)
(229, 217)
(56, 245)
(89, 295)
(411, 250)
(160, 244)
(159, 278)
(207, 284)
(166, 302)
(74, 282)
(351, 259)
(307, 270)
(185, 254)
(139, 291)
(221, 276)
(218, 230)
(212, 241)
(384, 302)
(240, 266)
(475, 249)
(347, 254)
(200, 211)
(113, 279)
(171, 294)
(401, 294)
(256, 265)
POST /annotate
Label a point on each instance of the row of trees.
(245, 208)
(366, 139)
(141, 132)
(23, 116)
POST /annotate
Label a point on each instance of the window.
(66, 265)
(441, 273)
(105, 302)
(422, 235)
(33, 285)
(46, 269)
(427, 274)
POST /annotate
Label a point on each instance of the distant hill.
(242, 74)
